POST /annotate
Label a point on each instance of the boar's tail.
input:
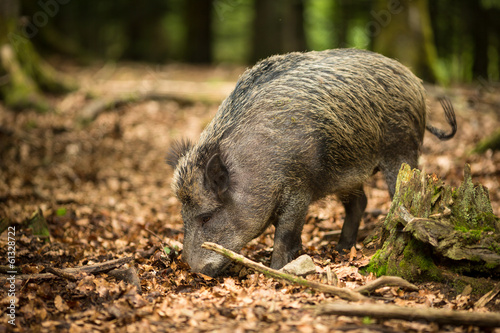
(449, 113)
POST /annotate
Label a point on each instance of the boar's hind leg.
(289, 224)
(390, 168)
(354, 204)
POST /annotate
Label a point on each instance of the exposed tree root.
(26, 75)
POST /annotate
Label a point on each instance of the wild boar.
(297, 127)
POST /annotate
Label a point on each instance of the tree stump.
(431, 224)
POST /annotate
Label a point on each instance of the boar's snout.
(206, 262)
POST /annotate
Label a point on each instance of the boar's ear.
(216, 175)
(176, 151)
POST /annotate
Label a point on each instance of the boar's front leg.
(289, 223)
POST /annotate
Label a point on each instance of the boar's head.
(212, 210)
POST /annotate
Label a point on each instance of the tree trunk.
(342, 17)
(278, 27)
(402, 30)
(147, 39)
(19, 90)
(430, 223)
(266, 29)
(198, 19)
(293, 34)
(478, 26)
(22, 71)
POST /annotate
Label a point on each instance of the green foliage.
(175, 29)
(168, 250)
(490, 4)
(61, 211)
(39, 225)
(232, 25)
(319, 25)
(325, 21)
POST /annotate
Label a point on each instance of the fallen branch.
(5, 269)
(128, 275)
(343, 293)
(71, 273)
(383, 311)
(394, 281)
(61, 273)
(347, 294)
(91, 111)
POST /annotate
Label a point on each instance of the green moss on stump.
(430, 222)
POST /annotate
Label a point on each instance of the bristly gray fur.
(328, 83)
(296, 128)
(177, 150)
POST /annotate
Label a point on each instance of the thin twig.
(67, 272)
(343, 293)
(61, 273)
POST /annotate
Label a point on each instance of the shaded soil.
(104, 190)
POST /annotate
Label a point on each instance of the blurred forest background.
(461, 38)
(120, 80)
(441, 41)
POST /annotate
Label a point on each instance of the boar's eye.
(204, 218)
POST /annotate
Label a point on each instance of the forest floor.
(104, 191)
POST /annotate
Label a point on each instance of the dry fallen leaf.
(104, 189)
(60, 304)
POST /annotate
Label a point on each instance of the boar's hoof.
(342, 248)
